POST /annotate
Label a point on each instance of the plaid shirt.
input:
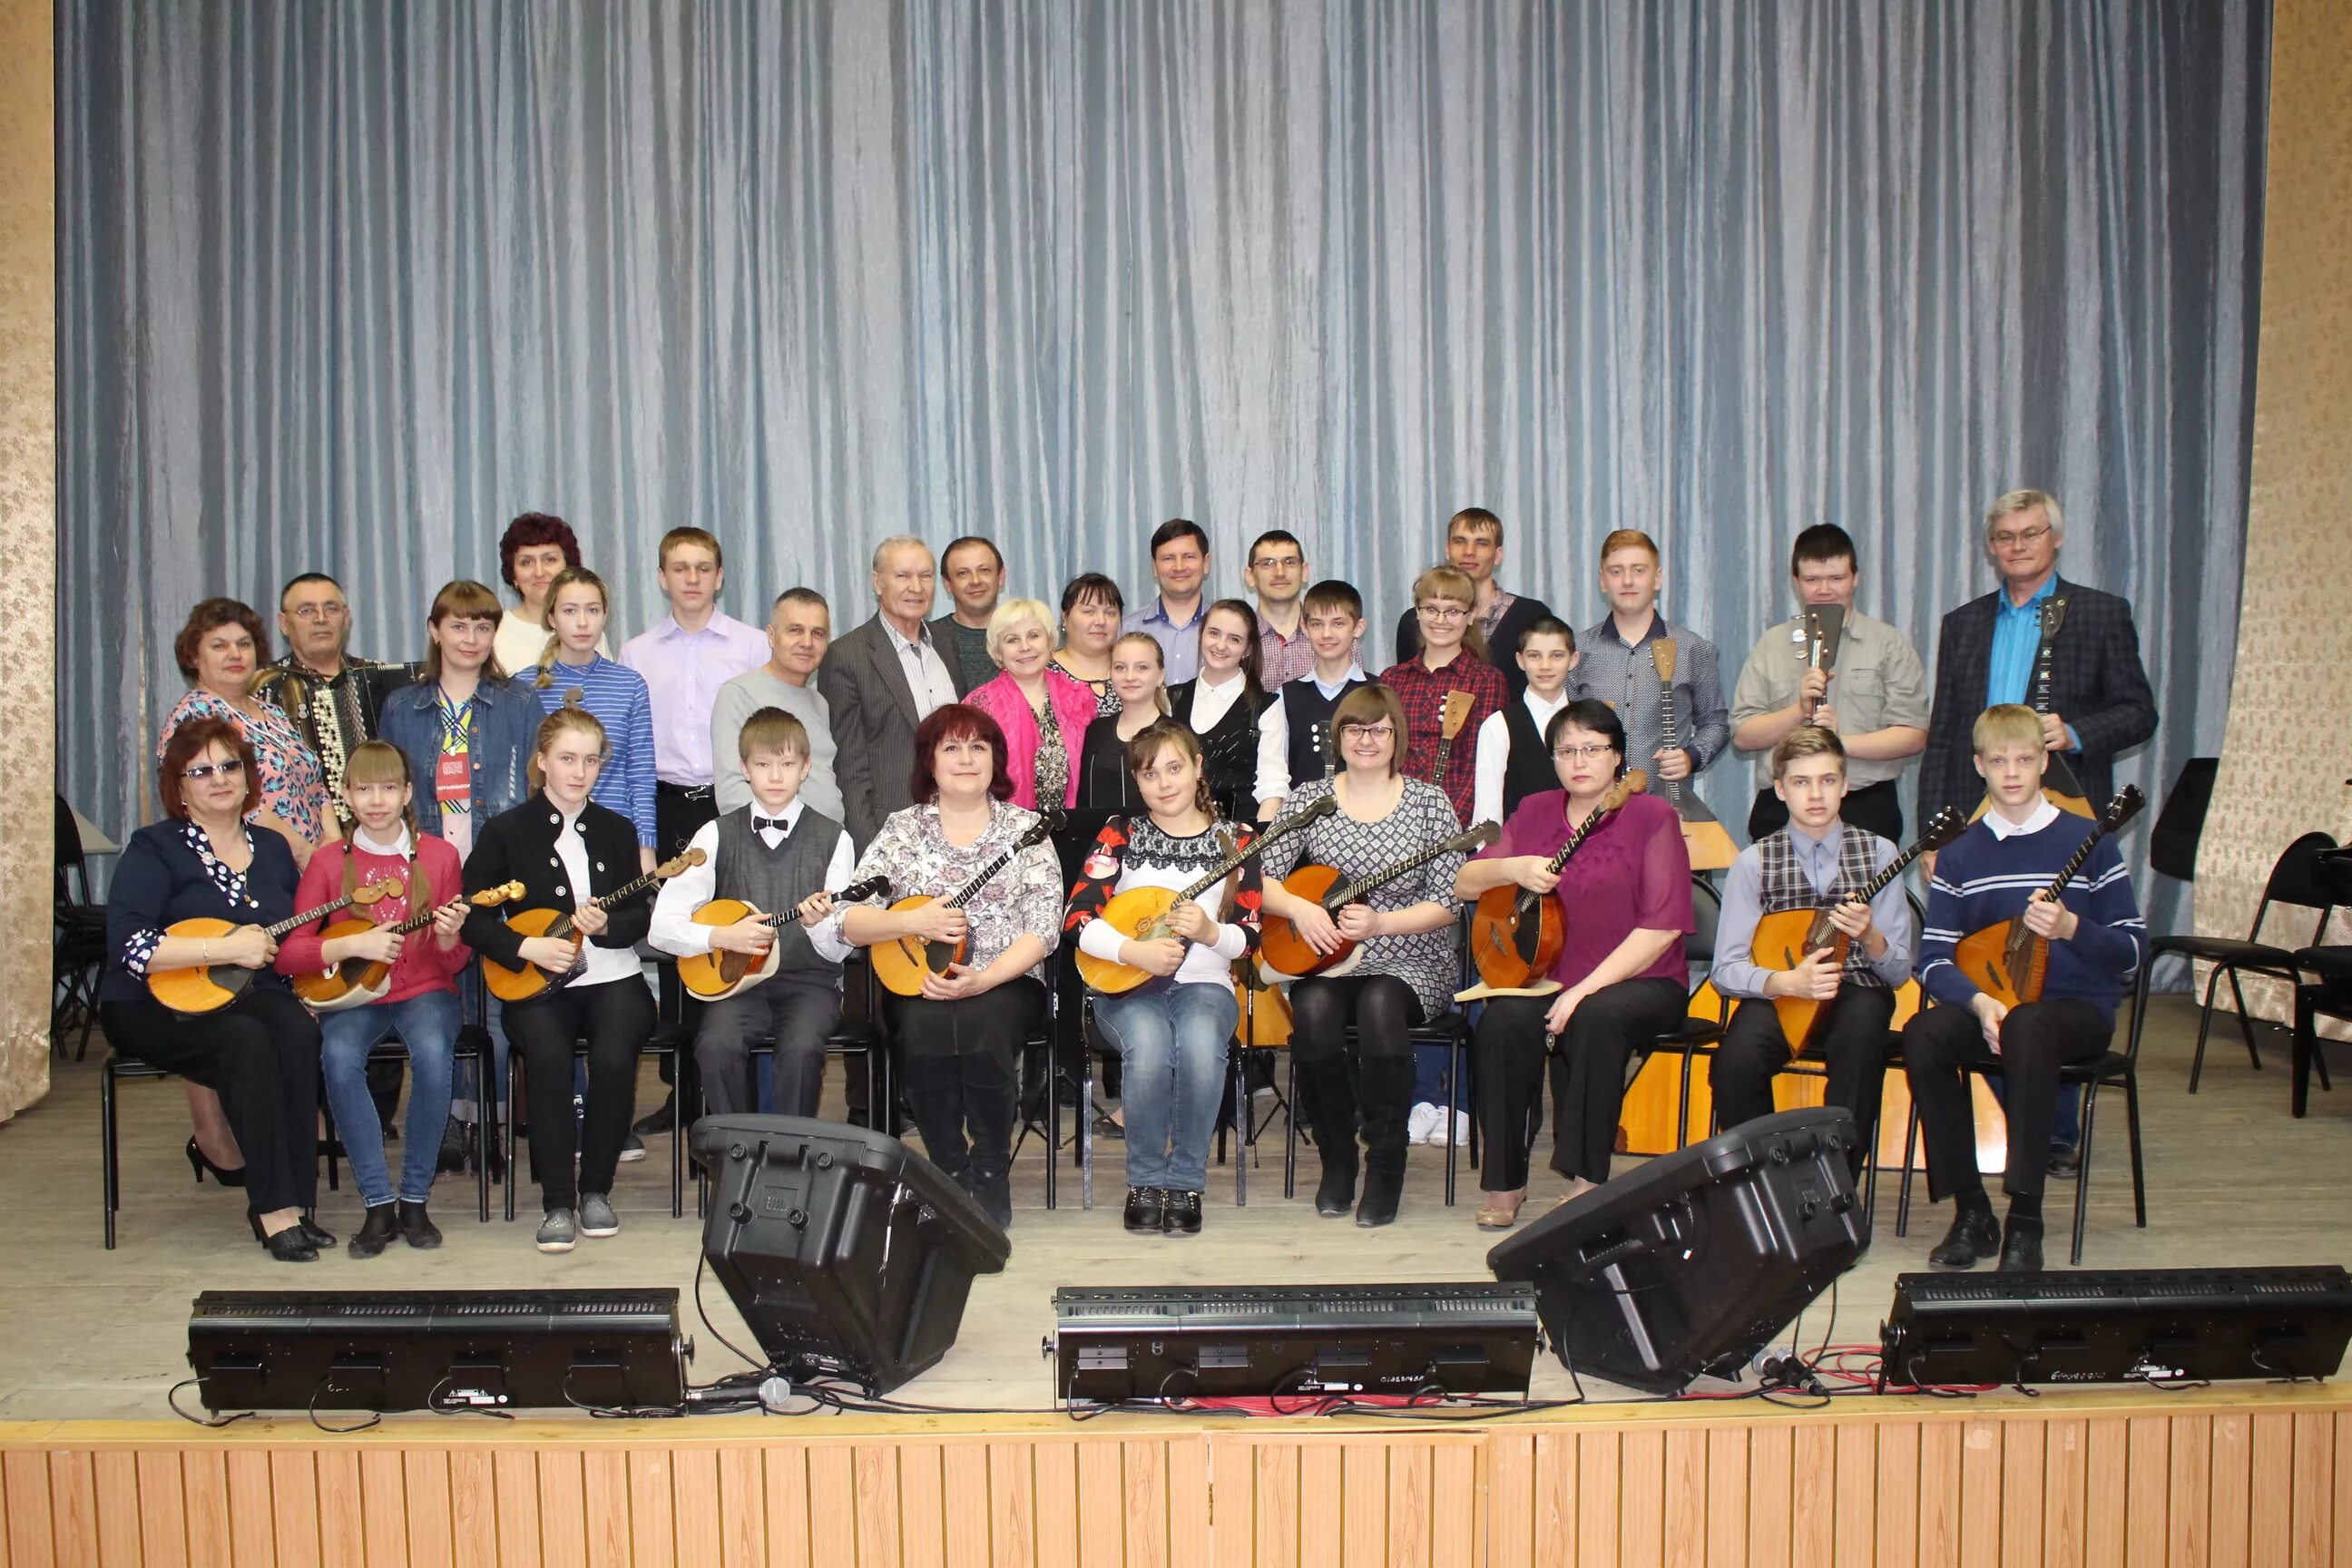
(1627, 680)
(1424, 695)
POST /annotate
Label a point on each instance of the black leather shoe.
(1147, 1210)
(1972, 1238)
(318, 1235)
(417, 1226)
(227, 1175)
(288, 1246)
(2065, 1160)
(2020, 1248)
(377, 1231)
(1335, 1194)
(1382, 1190)
(1183, 1214)
(662, 1118)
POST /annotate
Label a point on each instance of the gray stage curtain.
(345, 286)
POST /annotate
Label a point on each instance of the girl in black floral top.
(1408, 965)
(957, 1040)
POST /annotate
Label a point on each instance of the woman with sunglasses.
(206, 861)
(1626, 894)
(1408, 968)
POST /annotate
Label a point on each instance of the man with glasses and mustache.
(333, 697)
(2099, 697)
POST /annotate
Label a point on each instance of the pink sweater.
(1073, 708)
(423, 965)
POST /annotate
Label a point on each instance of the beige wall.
(2287, 754)
(28, 541)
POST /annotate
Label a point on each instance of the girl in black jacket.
(567, 851)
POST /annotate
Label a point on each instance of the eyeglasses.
(203, 771)
(1442, 613)
(1367, 732)
(1581, 753)
(319, 612)
(1280, 562)
(2008, 541)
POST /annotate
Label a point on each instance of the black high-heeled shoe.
(227, 1175)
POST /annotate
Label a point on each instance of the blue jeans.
(427, 1026)
(1172, 1041)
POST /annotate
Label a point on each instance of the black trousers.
(1876, 808)
(2036, 1040)
(1852, 1043)
(957, 1064)
(798, 1010)
(679, 814)
(1588, 1075)
(260, 1054)
(1378, 1093)
(616, 1019)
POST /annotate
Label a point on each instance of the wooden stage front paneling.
(2248, 1475)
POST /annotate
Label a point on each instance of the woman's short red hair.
(187, 743)
(535, 528)
(957, 722)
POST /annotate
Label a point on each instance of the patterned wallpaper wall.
(2286, 758)
(28, 541)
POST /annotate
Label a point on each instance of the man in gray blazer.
(881, 679)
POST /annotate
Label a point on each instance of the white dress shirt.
(926, 673)
(674, 928)
(1495, 751)
(1211, 703)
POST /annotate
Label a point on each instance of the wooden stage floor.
(97, 1338)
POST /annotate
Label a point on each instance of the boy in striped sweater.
(2003, 866)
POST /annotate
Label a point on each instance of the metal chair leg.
(1910, 1153)
(2131, 1122)
(507, 1129)
(1085, 1121)
(2083, 1172)
(1290, 1126)
(110, 1176)
(2245, 1018)
(1237, 1069)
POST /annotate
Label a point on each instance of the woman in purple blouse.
(1623, 974)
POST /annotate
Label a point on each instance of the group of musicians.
(1197, 797)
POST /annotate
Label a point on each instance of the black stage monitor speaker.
(1691, 1263)
(438, 1350)
(2122, 1325)
(1123, 1343)
(848, 1254)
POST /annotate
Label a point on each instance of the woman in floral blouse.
(956, 1041)
(218, 651)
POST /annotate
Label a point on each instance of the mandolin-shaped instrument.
(207, 988)
(1515, 934)
(356, 982)
(1782, 940)
(1140, 914)
(1451, 714)
(520, 985)
(2007, 959)
(1705, 839)
(1285, 954)
(901, 962)
(717, 974)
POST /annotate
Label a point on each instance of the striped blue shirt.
(617, 696)
(1987, 876)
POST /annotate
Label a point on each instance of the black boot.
(453, 1141)
(1387, 1105)
(376, 1231)
(989, 1104)
(934, 1088)
(417, 1226)
(1331, 1103)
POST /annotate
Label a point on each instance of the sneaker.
(1423, 1120)
(633, 1148)
(1146, 1211)
(1461, 1130)
(1183, 1210)
(597, 1219)
(558, 1232)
